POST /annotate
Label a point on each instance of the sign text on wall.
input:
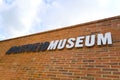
(78, 42)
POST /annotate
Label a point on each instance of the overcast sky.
(23, 17)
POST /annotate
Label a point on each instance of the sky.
(24, 17)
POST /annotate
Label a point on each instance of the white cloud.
(103, 2)
(29, 11)
(21, 17)
(2, 37)
(17, 18)
(63, 13)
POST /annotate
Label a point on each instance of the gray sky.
(23, 17)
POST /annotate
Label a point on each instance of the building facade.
(88, 51)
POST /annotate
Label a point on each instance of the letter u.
(61, 44)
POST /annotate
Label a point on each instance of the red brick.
(86, 63)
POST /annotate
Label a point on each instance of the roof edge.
(81, 24)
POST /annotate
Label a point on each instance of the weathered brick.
(109, 69)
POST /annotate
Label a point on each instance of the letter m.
(107, 39)
(53, 45)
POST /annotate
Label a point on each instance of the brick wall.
(94, 63)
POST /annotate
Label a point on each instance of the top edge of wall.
(67, 27)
